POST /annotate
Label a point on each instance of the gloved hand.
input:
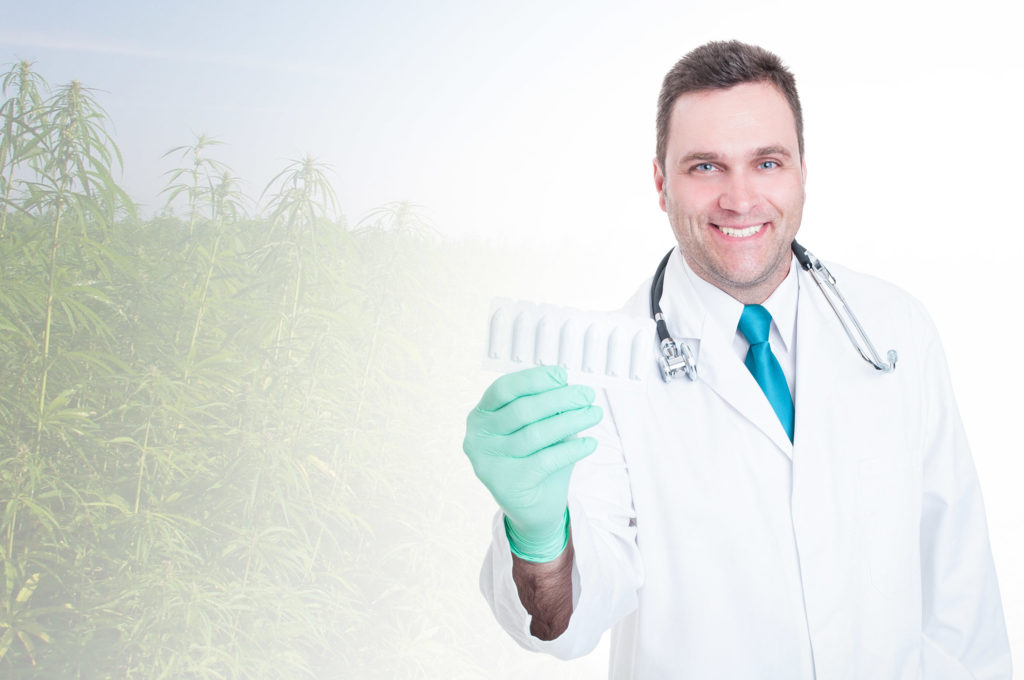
(521, 441)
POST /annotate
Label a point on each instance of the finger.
(535, 407)
(521, 383)
(565, 453)
(542, 434)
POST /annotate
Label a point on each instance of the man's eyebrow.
(699, 156)
(774, 150)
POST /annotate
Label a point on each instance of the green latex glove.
(521, 441)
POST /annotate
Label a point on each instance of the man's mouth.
(740, 232)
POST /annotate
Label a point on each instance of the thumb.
(565, 453)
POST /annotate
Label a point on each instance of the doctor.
(792, 513)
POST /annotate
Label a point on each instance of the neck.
(753, 293)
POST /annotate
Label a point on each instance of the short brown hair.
(719, 66)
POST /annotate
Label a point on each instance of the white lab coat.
(715, 548)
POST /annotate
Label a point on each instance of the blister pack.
(596, 348)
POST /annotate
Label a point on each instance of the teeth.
(740, 233)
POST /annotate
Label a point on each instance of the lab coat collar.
(726, 310)
(718, 366)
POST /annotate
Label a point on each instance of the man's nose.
(738, 195)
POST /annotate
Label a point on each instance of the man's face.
(733, 186)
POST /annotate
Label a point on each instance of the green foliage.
(225, 444)
(20, 115)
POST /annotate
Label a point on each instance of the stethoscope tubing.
(678, 357)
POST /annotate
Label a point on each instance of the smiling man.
(792, 512)
(731, 179)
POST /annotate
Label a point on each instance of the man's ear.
(659, 183)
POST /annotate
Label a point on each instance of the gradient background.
(531, 127)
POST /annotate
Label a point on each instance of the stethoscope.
(678, 357)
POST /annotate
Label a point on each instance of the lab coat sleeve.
(963, 633)
(606, 571)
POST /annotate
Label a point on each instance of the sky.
(532, 124)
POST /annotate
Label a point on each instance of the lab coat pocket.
(889, 520)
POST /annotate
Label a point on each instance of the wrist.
(538, 547)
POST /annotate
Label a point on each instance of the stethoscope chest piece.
(676, 359)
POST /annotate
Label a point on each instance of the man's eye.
(704, 167)
(768, 165)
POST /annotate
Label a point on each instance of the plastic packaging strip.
(597, 348)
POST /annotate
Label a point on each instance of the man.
(792, 513)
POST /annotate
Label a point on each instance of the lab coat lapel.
(724, 373)
(819, 339)
(717, 364)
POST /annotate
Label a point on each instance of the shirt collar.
(725, 310)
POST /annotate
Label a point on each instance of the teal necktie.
(755, 323)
